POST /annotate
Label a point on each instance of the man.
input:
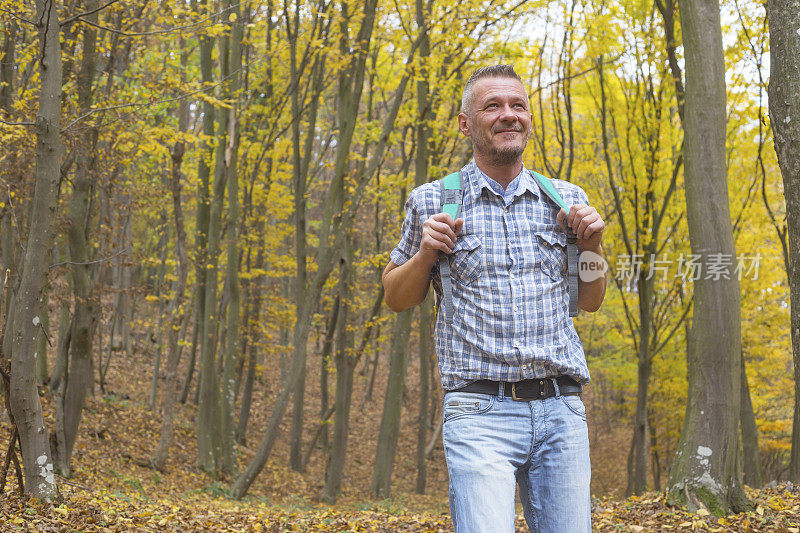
(511, 362)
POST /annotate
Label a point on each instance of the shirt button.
(506, 210)
(515, 309)
(512, 276)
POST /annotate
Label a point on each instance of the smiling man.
(511, 362)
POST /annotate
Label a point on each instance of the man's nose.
(507, 113)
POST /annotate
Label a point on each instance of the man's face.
(498, 121)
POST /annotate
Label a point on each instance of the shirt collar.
(476, 180)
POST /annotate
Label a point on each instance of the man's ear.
(463, 124)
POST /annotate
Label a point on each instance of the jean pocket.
(465, 260)
(575, 404)
(459, 404)
(551, 246)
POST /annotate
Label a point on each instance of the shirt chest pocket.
(466, 261)
(551, 252)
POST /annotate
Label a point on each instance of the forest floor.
(112, 488)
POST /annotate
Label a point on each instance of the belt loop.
(555, 387)
(501, 391)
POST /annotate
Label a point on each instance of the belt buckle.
(518, 398)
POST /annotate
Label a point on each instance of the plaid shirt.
(510, 292)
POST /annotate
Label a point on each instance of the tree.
(24, 397)
(706, 471)
(79, 374)
(784, 109)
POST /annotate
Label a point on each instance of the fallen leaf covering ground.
(775, 509)
(112, 488)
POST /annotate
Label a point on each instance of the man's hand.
(407, 284)
(585, 221)
(439, 234)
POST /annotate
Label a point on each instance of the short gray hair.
(492, 71)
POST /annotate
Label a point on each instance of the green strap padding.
(572, 249)
(450, 209)
(550, 190)
(453, 182)
(451, 204)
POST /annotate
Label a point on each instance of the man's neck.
(502, 174)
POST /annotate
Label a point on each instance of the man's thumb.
(459, 224)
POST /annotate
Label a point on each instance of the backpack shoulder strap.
(547, 187)
(452, 199)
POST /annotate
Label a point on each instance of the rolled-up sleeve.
(411, 233)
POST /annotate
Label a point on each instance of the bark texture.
(706, 471)
(24, 397)
(784, 111)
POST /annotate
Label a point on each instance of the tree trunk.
(163, 243)
(423, 15)
(706, 470)
(392, 407)
(327, 348)
(426, 358)
(751, 457)
(644, 370)
(7, 66)
(345, 370)
(178, 321)
(784, 110)
(24, 398)
(201, 238)
(208, 431)
(255, 346)
(80, 375)
(227, 392)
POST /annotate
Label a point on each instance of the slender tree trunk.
(187, 382)
(80, 374)
(227, 393)
(645, 369)
(163, 243)
(255, 347)
(208, 430)
(392, 407)
(24, 398)
(345, 370)
(423, 15)
(327, 348)
(706, 470)
(784, 110)
(177, 319)
(7, 66)
(752, 460)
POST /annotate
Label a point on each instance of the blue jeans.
(491, 443)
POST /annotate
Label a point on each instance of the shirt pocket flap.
(465, 260)
(553, 237)
(467, 243)
(551, 245)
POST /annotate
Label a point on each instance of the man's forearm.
(592, 293)
(407, 285)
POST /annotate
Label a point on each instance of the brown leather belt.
(526, 390)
